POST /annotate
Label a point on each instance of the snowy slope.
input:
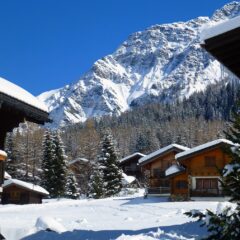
(118, 218)
(162, 63)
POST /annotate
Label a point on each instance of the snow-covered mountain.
(163, 62)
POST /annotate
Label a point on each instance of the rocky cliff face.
(162, 63)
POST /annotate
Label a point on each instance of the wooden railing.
(157, 190)
(214, 192)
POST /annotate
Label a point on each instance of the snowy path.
(136, 218)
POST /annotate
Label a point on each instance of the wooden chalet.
(16, 106)
(154, 165)
(20, 192)
(79, 165)
(82, 169)
(223, 42)
(196, 171)
(130, 165)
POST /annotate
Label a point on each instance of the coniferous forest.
(201, 118)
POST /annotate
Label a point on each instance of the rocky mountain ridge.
(162, 63)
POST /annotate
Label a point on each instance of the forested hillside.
(193, 121)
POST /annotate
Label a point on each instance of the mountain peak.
(228, 11)
(163, 63)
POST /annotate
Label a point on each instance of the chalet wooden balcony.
(207, 192)
(158, 191)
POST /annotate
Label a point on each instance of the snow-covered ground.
(122, 218)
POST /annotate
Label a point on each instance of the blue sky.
(46, 44)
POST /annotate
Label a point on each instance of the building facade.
(154, 165)
(197, 171)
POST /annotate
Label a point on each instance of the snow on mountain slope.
(162, 63)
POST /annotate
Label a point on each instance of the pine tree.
(54, 165)
(96, 184)
(112, 174)
(72, 190)
(10, 165)
(146, 142)
(233, 132)
(226, 224)
(48, 174)
(142, 144)
(59, 166)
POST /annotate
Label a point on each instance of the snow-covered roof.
(173, 170)
(131, 156)
(26, 185)
(78, 160)
(20, 94)
(220, 28)
(203, 147)
(2, 153)
(161, 151)
(127, 179)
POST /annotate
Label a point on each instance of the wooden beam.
(226, 49)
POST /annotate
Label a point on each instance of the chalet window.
(207, 183)
(15, 196)
(210, 161)
(181, 184)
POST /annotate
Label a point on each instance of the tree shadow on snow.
(141, 200)
(187, 230)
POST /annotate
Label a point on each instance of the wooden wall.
(196, 167)
(16, 195)
(161, 163)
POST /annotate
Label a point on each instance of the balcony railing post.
(208, 192)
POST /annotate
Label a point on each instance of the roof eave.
(32, 113)
(225, 47)
(131, 157)
(176, 174)
(201, 150)
(159, 155)
(31, 190)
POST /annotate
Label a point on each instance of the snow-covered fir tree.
(48, 174)
(54, 164)
(72, 190)
(226, 224)
(11, 164)
(96, 183)
(108, 160)
(59, 166)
